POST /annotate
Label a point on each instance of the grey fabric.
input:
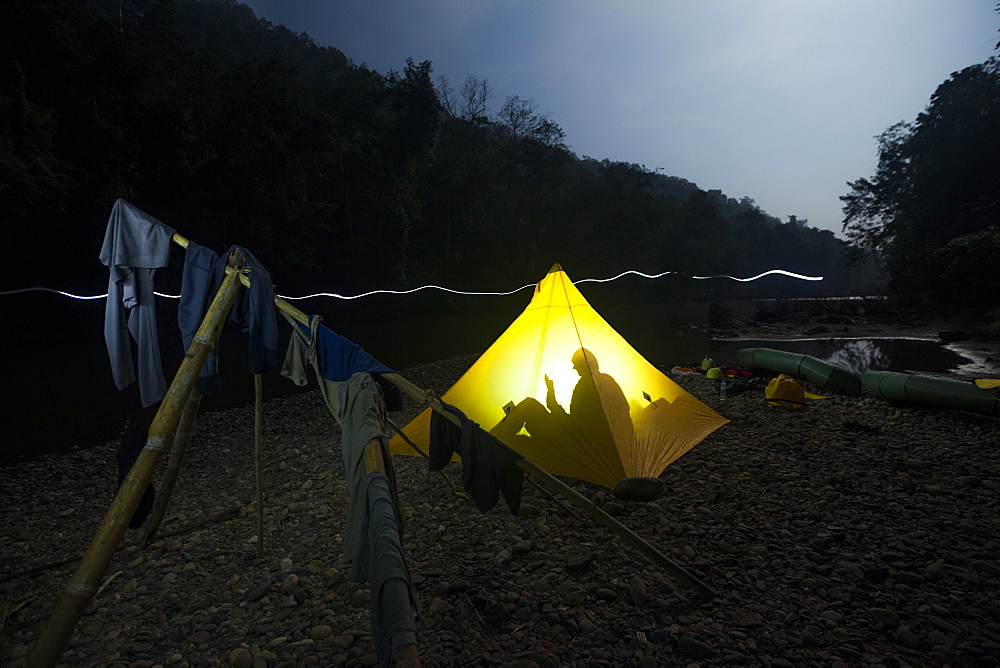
(362, 418)
(135, 246)
(378, 558)
(357, 406)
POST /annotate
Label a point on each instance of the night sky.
(776, 100)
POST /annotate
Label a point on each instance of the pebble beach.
(849, 533)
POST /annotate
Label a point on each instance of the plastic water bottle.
(722, 390)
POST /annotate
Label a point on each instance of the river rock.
(638, 489)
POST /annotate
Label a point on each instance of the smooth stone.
(885, 618)
(320, 632)
(693, 648)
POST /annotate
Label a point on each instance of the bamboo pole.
(555, 485)
(258, 473)
(173, 467)
(94, 565)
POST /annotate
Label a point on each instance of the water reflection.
(858, 355)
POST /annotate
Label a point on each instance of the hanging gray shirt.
(135, 246)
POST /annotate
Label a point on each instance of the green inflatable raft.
(821, 374)
(915, 388)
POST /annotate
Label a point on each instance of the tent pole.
(555, 485)
(258, 474)
(173, 466)
(83, 586)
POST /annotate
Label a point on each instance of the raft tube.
(821, 374)
(919, 389)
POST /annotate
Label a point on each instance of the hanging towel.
(378, 557)
(135, 246)
(489, 468)
(131, 444)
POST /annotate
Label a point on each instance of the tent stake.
(88, 575)
(555, 485)
(173, 467)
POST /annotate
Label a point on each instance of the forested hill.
(234, 130)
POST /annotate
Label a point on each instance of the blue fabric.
(489, 468)
(254, 313)
(199, 283)
(340, 358)
(135, 246)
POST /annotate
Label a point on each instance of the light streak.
(407, 292)
(58, 292)
(701, 278)
(334, 295)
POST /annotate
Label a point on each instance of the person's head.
(583, 359)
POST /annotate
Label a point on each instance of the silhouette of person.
(597, 395)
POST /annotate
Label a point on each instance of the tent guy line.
(334, 295)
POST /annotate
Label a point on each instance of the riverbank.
(963, 335)
(849, 533)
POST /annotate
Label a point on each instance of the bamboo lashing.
(94, 565)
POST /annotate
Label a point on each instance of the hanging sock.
(489, 468)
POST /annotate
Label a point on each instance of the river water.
(59, 393)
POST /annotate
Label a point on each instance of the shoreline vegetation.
(851, 531)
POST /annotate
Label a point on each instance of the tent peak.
(556, 267)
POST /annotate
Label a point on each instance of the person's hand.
(550, 396)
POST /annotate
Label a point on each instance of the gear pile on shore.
(849, 533)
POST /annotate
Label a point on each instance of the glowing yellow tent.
(565, 390)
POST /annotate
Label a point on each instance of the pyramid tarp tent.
(565, 390)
